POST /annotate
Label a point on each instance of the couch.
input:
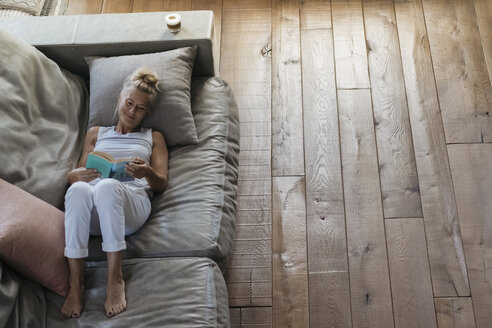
(174, 265)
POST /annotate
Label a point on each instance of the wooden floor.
(366, 159)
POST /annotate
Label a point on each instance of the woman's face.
(132, 107)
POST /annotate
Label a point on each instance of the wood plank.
(216, 7)
(259, 158)
(411, 285)
(289, 256)
(82, 7)
(470, 168)
(287, 133)
(315, 14)
(250, 291)
(256, 317)
(329, 297)
(148, 6)
(254, 217)
(245, 64)
(446, 256)
(255, 143)
(246, 4)
(368, 261)
(397, 168)
(483, 8)
(464, 89)
(177, 5)
(250, 172)
(254, 187)
(117, 6)
(350, 44)
(454, 312)
(235, 317)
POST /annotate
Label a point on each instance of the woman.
(109, 207)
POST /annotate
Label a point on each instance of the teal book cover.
(108, 167)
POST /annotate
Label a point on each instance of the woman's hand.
(82, 174)
(138, 168)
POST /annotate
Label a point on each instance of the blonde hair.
(145, 80)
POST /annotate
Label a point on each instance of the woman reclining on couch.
(109, 207)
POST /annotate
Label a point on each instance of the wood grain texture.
(148, 6)
(464, 89)
(397, 169)
(260, 317)
(287, 134)
(350, 44)
(83, 7)
(446, 256)
(216, 7)
(483, 8)
(315, 14)
(249, 272)
(454, 313)
(117, 6)
(470, 167)
(177, 5)
(289, 254)
(235, 317)
(329, 297)
(368, 261)
(411, 285)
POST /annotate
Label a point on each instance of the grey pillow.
(171, 115)
(43, 117)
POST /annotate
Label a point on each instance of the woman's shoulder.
(92, 134)
(157, 137)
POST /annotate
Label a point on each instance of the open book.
(108, 167)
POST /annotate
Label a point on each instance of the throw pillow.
(43, 115)
(32, 238)
(171, 115)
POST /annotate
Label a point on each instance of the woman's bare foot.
(73, 303)
(115, 297)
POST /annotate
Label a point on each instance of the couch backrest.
(68, 39)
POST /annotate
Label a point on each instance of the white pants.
(109, 208)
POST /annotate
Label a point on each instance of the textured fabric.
(171, 114)
(195, 215)
(43, 118)
(32, 7)
(171, 292)
(119, 146)
(54, 7)
(31, 238)
(12, 13)
(22, 302)
(109, 208)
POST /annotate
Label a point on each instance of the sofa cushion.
(172, 292)
(43, 114)
(195, 215)
(171, 114)
(32, 238)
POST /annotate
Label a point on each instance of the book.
(108, 167)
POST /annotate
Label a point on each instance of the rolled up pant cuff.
(114, 247)
(73, 253)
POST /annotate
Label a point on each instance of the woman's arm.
(81, 173)
(156, 172)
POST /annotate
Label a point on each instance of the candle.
(173, 22)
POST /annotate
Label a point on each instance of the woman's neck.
(120, 128)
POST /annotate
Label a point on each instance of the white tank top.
(133, 144)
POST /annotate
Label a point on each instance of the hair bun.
(145, 75)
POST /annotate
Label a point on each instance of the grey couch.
(174, 265)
